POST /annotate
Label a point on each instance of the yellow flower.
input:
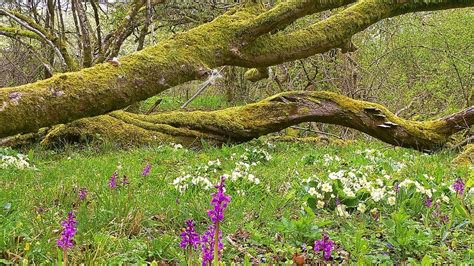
(27, 246)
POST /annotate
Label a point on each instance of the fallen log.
(243, 123)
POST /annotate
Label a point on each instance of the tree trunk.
(240, 124)
(244, 36)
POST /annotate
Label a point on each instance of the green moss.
(256, 74)
(18, 32)
(466, 157)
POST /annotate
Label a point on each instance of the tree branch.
(333, 32)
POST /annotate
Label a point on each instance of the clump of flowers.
(18, 161)
(211, 240)
(325, 245)
(219, 201)
(66, 241)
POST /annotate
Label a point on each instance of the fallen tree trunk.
(240, 124)
(245, 36)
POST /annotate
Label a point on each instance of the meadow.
(375, 204)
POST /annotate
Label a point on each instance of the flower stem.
(216, 245)
(65, 257)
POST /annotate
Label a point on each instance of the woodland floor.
(273, 212)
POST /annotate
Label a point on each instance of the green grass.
(267, 222)
(169, 103)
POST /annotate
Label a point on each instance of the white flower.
(256, 181)
(312, 191)
(392, 200)
(341, 210)
(428, 193)
(445, 198)
(377, 194)
(326, 187)
(320, 204)
(361, 207)
(379, 182)
(349, 192)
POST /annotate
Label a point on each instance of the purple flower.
(444, 218)
(458, 186)
(220, 201)
(146, 170)
(125, 180)
(208, 243)
(82, 193)
(69, 230)
(428, 202)
(113, 181)
(189, 237)
(325, 245)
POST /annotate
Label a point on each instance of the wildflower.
(189, 237)
(325, 245)
(361, 207)
(146, 170)
(428, 202)
(219, 201)
(320, 204)
(326, 187)
(458, 186)
(125, 180)
(69, 231)
(377, 194)
(208, 245)
(349, 192)
(113, 181)
(392, 201)
(82, 193)
(445, 198)
(312, 191)
(341, 210)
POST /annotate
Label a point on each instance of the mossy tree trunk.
(245, 36)
(240, 124)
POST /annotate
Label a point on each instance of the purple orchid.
(189, 237)
(208, 245)
(428, 202)
(113, 181)
(458, 186)
(325, 245)
(82, 193)
(220, 200)
(69, 231)
(146, 170)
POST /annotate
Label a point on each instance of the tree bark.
(242, 37)
(240, 124)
